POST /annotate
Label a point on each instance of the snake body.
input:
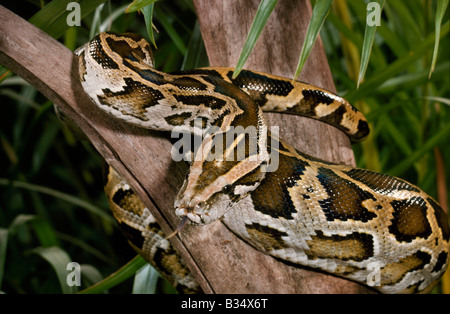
(343, 220)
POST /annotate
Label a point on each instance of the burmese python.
(336, 218)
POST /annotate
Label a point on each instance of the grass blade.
(117, 277)
(440, 11)
(166, 23)
(52, 19)
(369, 36)
(59, 259)
(145, 280)
(395, 67)
(106, 25)
(90, 273)
(262, 15)
(319, 14)
(66, 197)
(147, 12)
(139, 5)
(442, 135)
(195, 56)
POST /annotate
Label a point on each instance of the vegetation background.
(52, 206)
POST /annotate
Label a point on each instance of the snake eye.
(227, 189)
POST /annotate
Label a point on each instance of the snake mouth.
(185, 216)
(193, 217)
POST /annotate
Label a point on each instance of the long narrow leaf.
(262, 15)
(59, 260)
(90, 273)
(195, 56)
(319, 14)
(145, 280)
(116, 278)
(166, 23)
(440, 11)
(394, 68)
(139, 5)
(106, 25)
(66, 197)
(147, 12)
(52, 19)
(369, 36)
(440, 136)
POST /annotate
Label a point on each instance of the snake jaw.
(183, 212)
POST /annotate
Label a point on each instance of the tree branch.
(219, 260)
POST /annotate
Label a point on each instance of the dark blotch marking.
(380, 183)
(99, 55)
(258, 86)
(133, 99)
(269, 238)
(441, 262)
(148, 74)
(120, 196)
(335, 118)
(363, 131)
(133, 235)
(205, 72)
(355, 246)
(410, 219)
(441, 218)
(178, 119)
(346, 198)
(197, 100)
(396, 271)
(82, 66)
(272, 196)
(125, 50)
(313, 97)
(188, 83)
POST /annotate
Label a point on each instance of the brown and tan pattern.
(349, 222)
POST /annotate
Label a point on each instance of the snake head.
(213, 185)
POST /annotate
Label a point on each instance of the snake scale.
(339, 219)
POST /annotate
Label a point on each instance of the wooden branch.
(220, 261)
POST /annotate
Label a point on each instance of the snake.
(349, 222)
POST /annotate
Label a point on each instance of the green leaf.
(117, 277)
(66, 197)
(147, 12)
(139, 5)
(195, 56)
(262, 15)
(166, 22)
(145, 280)
(412, 80)
(59, 259)
(106, 24)
(52, 19)
(442, 135)
(96, 21)
(319, 14)
(369, 36)
(90, 273)
(440, 11)
(395, 67)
